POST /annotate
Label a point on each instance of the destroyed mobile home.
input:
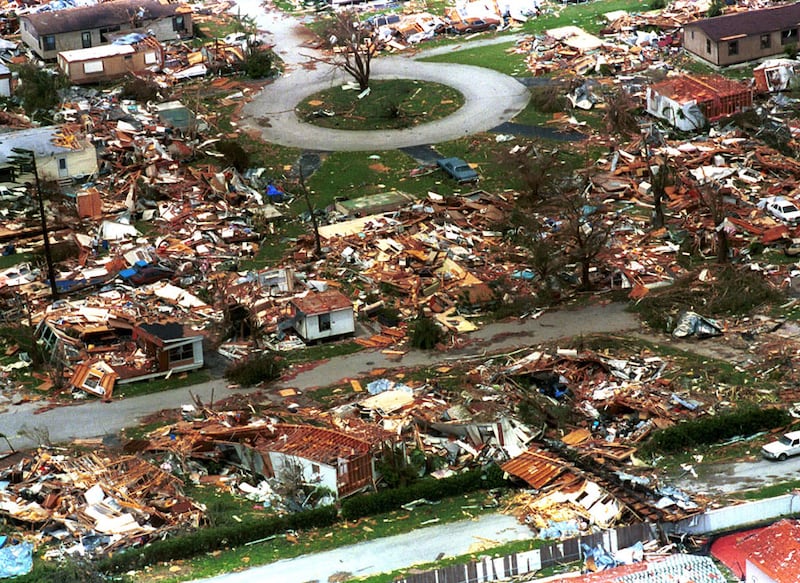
(136, 306)
(574, 484)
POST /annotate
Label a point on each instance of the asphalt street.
(495, 99)
(387, 554)
(93, 418)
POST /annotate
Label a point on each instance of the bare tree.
(540, 170)
(713, 201)
(620, 113)
(660, 180)
(585, 228)
(353, 44)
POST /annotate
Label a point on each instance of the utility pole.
(25, 157)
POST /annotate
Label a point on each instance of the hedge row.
(745, 420)
(429, 488)
(210, 539)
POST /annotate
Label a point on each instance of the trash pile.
(90, 504)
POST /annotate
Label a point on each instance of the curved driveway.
(491, 98)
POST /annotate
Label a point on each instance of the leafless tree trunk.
(353, 44)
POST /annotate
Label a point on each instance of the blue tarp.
(382, 385)
(16, 560)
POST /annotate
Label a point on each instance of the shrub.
(428, 488)
(732, 292)
(715, 9)
(140, 90)
(212, 539)
(258, 64)
(257, 369)
(550, 98)
(38, 89)
(658, 4)
(426, 333)
(744, 420)
(234, 154)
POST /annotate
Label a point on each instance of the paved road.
(96, 419)
(491, 98)
(424, 545)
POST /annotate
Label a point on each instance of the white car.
(783, 209)
(788, 445)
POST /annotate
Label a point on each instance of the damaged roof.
(322, 302)
(698, 88)
(43, 141)
(100, 15)
(313, 443)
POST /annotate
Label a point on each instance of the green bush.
(38, 90)
(258, 64)
(745, 420)
(549, 98)
(426, 333)
(234, 154)
(429, 488)
(211, 539)
(658, 4)
(140, 90)
(264, 367)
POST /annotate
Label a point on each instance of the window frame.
(766, 41)
(49, 42)
(86, 39)
(324, 322)
(733, 48)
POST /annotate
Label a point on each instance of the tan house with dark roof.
(49, 33)
(745, 36)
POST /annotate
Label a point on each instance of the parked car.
(788, 445)
(783, 209)
(458, 169)
(147, 274)
(470, 25)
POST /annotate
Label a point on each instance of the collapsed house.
(341, 461)
(690, 102)
(102, 348)
(92, 504)
(61, 153)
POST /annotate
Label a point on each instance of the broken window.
(324, 321)
(766, 41)
(181, 353)
(92, 381)
(733, 47)
(104, 31)
(178, 23)
(708, 45)
(789, 36)
(49, 42)
(86, 39)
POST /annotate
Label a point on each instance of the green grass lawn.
(317, 540)
(194, 377)
(391, 104)
(494, 57)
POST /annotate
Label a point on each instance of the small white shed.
(320, 315)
